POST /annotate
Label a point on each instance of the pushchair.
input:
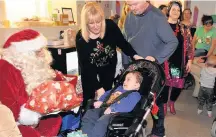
(213, 128)
(133, 124)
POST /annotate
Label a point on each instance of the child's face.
(130, 82)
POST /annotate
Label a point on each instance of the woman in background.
(124, 12)
(186, 17)
(179, 64)
(186, 20)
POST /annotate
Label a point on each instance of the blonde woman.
(96, 44)
(124, 12)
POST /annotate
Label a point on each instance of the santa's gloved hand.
(28, 117)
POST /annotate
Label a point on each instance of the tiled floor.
(186, 123)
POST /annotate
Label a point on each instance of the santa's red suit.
(13, 88)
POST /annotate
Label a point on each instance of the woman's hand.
(188, 66)
(137, 57)
(99, 93)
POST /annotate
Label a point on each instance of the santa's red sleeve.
(13, 94)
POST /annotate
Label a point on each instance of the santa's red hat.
(26, 40)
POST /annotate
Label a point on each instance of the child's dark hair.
(206, 19)
(171, 3)
(161, 7)
(138, 75)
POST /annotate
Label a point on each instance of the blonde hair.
(91, 11)
(124, 12)
(34, 70)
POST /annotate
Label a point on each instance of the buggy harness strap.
(123, 95)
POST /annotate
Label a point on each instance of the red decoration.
(176, 30)
(155, 108)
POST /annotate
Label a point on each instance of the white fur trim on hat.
(28, 117)
(30, 45)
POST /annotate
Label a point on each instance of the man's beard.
(35, 70)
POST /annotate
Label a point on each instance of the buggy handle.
(135, 128)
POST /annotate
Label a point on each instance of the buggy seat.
(126, 124)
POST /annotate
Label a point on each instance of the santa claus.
(25, 64)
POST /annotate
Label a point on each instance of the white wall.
(157, 3)
(106, 5)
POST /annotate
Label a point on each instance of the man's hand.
(137, 57)
(99, 93)
(201, 59)
(107, 111)
(97, 104)
(150, 58)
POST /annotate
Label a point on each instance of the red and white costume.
(16, 85)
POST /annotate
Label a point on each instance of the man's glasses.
(208, 23)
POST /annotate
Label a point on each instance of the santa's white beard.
(35, 70)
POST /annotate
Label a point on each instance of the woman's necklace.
(176, 30)
(94, 36)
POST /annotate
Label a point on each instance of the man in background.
(163, 9)
(152, 38)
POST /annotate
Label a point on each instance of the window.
(18, 9)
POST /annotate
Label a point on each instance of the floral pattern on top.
(101, 54)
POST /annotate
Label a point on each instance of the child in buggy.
(95, 121)
(126, 124)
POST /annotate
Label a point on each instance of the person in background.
(124, 12)
(207, 81)
(186, 17)
(163, 9)
(179, 64)
(152, 37)
(96, 44)
(204, 40)
(115, 18)
(186, 20)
